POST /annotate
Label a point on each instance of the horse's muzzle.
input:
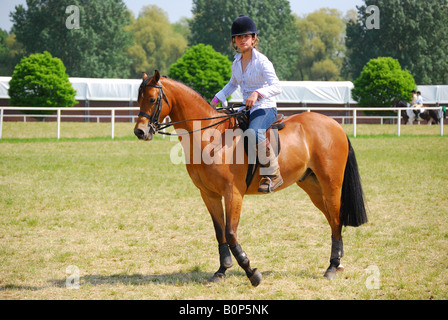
(144, 134)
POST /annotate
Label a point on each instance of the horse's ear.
(156, 76)
(144, 75)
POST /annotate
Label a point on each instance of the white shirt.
(259, 76)
(419, 99)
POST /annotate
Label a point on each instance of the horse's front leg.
(214, 206)
(233, 203)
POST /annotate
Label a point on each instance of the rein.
(156, 126)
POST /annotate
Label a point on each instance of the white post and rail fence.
(59, 115)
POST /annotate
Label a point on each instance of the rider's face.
(245, 42)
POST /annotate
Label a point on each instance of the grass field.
(134, 226)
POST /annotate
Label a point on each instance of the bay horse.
(316, 154)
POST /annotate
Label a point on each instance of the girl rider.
(255, 74)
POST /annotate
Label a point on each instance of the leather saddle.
(242, 121)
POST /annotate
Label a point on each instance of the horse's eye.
(152, 100)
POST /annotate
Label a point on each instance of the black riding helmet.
(243, 25)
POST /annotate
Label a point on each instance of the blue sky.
(182, 8)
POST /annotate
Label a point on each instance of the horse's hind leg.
(214, 206)
(329, 202)
(332, 201)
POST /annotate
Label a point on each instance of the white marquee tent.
(305, 92)
(311, 92)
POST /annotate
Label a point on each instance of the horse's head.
(150, 99)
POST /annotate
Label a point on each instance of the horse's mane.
(193, 91)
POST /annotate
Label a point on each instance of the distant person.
(413, 97)
(418, 104)
(419, 101)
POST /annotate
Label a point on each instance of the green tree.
(414, 32)
(97, 49)
(203, 69)
(156, 44)
(382, 81)
(213, 19)
(325, 70)
(11, 52)
(182, 27)
(40, 80)
(321, 46)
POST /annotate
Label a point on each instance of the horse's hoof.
(255, 278)
(217, 277)
(330, 274)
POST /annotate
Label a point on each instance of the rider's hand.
(250, 102)
(214, 104)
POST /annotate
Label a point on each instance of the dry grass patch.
(136, 227)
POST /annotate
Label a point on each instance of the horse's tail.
(353, 211)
